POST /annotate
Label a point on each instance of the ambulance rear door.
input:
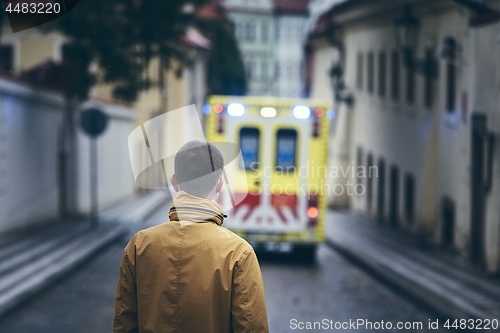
(274, 154)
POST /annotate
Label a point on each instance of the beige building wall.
(324, 56)
(433, 145)
(169, 91)
(31, 47)
(484, 97)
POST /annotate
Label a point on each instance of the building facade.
(254, 27)
(290, 26)
(271, 36)
(426, 142)
(32, 49)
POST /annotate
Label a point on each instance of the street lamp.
(407, 28)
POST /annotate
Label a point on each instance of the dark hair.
(201, 161)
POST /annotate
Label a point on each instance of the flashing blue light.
(206, 109)
(235, 109)
(301, 112)
(330, 114)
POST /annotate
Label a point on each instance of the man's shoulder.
(153, 231)
(232, 237)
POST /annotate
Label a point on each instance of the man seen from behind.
(191, 274)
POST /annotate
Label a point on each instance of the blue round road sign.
(94, 122)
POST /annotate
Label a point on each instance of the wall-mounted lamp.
(407, 29)
(449, 52)
(336, 73)
(340, 91)
(447, 49)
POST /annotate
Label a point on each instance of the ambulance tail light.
(218, 108)
(312, 211)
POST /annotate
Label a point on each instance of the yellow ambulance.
(284, 144)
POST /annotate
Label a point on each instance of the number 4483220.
(472, 324)
(34, 8)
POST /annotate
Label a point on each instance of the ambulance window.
(286, 150)
(249, 144)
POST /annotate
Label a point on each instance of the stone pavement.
(33, 260)
(450, 284)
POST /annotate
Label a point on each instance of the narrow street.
(370, 128)
(334, 289)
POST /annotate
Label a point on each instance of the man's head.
(198, 169)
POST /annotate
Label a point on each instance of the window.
(237, 30)
(359, 161)
(359, 74)
(409, 197)
(250, 67)
(250, 31)
(381, 189)
(244, 31)
(371, 70)
(286, 150)
(381, 74)
(265, 32)
(395, 75)
(6, 59)
(277, 30)
(369, 181)
(448, 217)
(410, 85)
(249, 144)
(428, 93)
(394, 196)
(241, 31)
(265, 70)
(450, 80)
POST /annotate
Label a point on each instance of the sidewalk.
(32, 261)
(449, 284)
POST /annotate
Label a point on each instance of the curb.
(432, 295)
(38, 282)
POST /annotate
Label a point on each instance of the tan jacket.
(190, 276)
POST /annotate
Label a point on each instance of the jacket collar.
(190, 208)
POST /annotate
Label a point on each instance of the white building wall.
(115, 178)
(324, 56)
(29, 127)
(396, 132)
(434, 145)
(289, 55)
(254, 30)
(454, 134)
(484, 92)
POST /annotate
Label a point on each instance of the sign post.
(94, 122)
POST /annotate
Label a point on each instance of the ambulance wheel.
(306, 253)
